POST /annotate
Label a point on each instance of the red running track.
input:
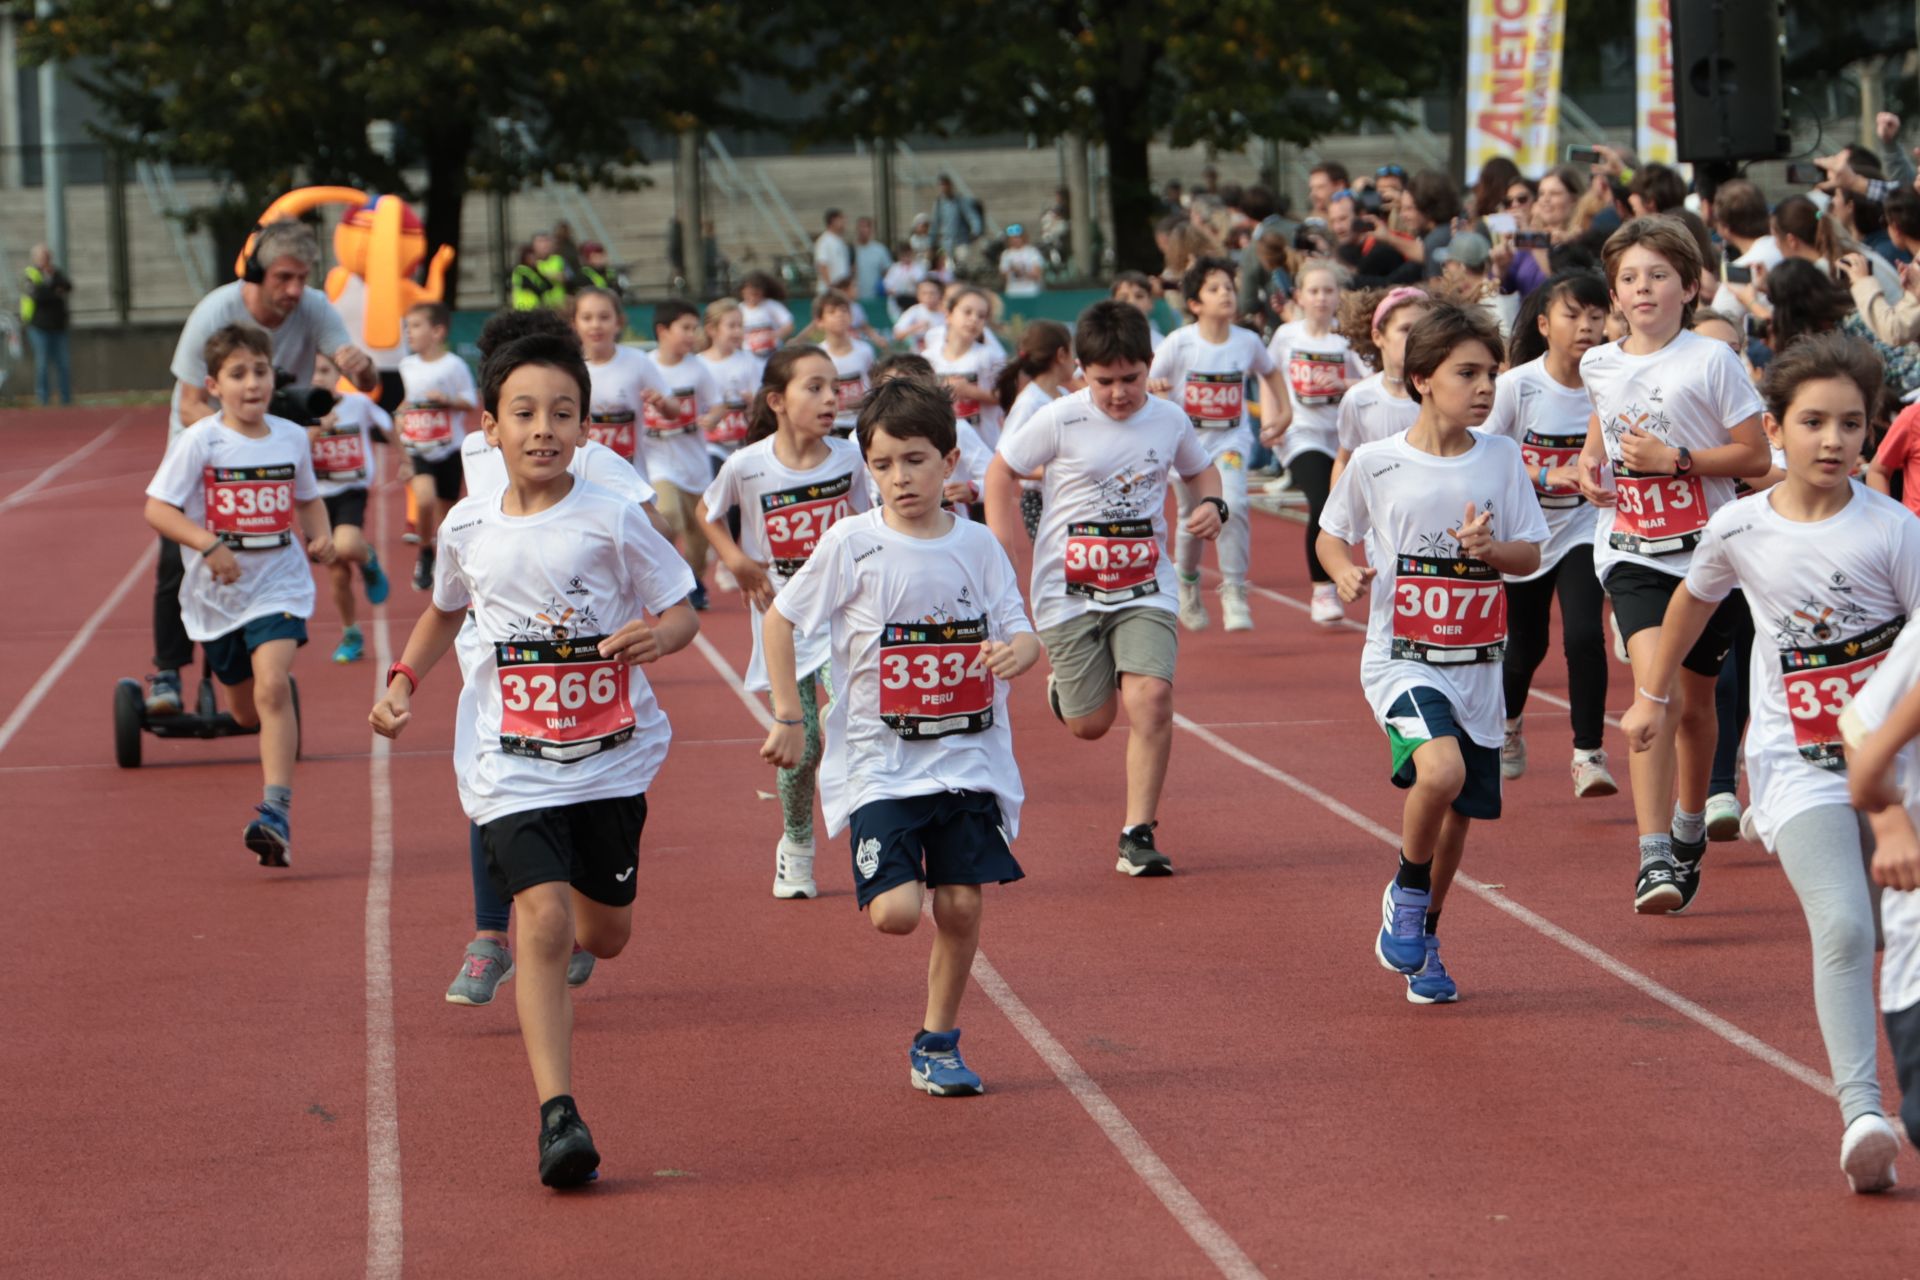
(217, 1070)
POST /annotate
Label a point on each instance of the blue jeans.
(49, 356)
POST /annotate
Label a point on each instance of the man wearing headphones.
(271, 293)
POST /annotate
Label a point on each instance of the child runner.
(1203, 367)
(674, 444)
(625, 381)
(735, 371)
(557, 574)
(852, 359)
(1375, 324)
(1135, 288)
(1677, 419)
(928, 310)
(1038, 374)
(1450, 510)
(1831, 573)
(342, 444)
(234, 488)
(926, 628)
(792, 480)
(1543, 406)
(1103, 593)
(1303, 427)
(433, 421)
(765, 321)
(966, 364)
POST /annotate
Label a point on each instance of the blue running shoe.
(352, 647)
(1432, 985)
(698, 597)
(376, 579)
(938, 1068)
(270, 837)
(1402, 945)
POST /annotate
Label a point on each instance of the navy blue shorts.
(1420, 715)
(952, 837)
(231, 655)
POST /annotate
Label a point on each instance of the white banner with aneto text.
(1513, 82)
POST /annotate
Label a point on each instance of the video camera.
(301, 405)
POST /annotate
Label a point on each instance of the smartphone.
(1582, 155)
(1501, 224)
(1806, 175)
(1533, 240)
(1737, 274)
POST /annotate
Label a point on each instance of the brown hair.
(1356, 318)
(1185, 244)
(223, 342)
(436, 313)
(1666, 236)
(1111, 333)
(1435, 335)
(762, 421)
(1490, 191)
(1820, 356)
(593, 291)
(1741, 209)
(903, 364)
(909, 409)
(834, 300)
(1040, 346)
(1800, 218)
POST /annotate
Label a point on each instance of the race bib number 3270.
(795, 518)
(1448, 611)
(560, 700)
(934, 680)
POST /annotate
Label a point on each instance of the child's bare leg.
(1694, 740)
(1095, 725)
(350, 544)
(897, 910)
(956, 910)
(1149, 702)
(599, 928)
(427, 504)
(340, 583)
(1439, 774)
(1446, 856)
(545, 914)
(273, 700)
(1651, 771)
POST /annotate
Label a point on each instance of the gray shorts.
(1090, 653)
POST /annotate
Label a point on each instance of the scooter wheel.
(129, 718)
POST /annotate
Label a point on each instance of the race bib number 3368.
(560, 700)
(933, 679)
(251, 508)
(1448, 611)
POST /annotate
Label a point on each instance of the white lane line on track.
(1213, 1240)
(73, 459)
(59, 665)
(385, 1243)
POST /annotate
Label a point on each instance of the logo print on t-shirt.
(1816, 623)
(557, 621)
(1125, 493)
(1648, 421)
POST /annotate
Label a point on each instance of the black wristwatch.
(1220, 505)
(1683, 461)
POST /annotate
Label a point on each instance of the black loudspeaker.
(1727, 78)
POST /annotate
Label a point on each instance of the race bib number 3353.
(560, 700)
(251, 508)
(933, 679)
(1448, 611)
(340, 457)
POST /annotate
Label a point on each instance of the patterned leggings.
(797, 784)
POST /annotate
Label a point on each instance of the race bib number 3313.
(1448, 611)
(1657, 515)
(560, 700)
(934, 680)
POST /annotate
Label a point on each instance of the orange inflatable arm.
(296, 202)
(384, 279)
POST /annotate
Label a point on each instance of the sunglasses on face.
(1520, 201)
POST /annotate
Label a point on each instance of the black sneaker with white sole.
(1686, 861)
(1657, 891)
(1138, 857)
(567, 1154)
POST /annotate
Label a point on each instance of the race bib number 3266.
(933, 679)
(1448, 611)
(560, 700)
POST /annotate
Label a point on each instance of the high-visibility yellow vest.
(34, 281)
(529, 288)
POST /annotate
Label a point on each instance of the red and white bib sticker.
(963, 410)
(560, 700)
(1538, 451)
(1316, 376)
(1448, 611)
(761, 341)
(850, 392)
(1112, 561)
(425, 427)
(1214, 400)
(1657, 515)
(614, 429)
(340, 456)
(732, 429)
(661, 427)
(933, 679)
(1820, 683)
(796, 518)
(251, 508)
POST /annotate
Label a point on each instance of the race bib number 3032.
(251, 508)
(1448, 611)
(1820, 683)
(934, 680)
(1112, 561)
(560, 700)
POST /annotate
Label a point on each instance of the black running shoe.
(1138, 857)
(1686, 860)
(698, 597)
(1657, 891)
(423, 570)
(567, 1155)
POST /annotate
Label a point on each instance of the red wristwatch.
(402, 669)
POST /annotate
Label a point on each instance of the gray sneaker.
(1138, 856)
(486, 965)
(579, 968)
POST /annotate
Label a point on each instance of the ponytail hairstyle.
(782, 366)
(1800, 218)
(1040, 346)
(1583, 288)
(1356, 322)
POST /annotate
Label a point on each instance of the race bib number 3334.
(1448, 611)
(933, 679)
(560, 700)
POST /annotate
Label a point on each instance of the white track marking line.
(86, 632)
(73, 459)
(385, 1244)
(1226, 1256)
(79, 486)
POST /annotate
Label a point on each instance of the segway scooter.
(206, 720)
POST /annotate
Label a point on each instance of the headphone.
(251, 269)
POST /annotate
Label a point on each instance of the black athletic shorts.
(593, 845)
(1640, 596)
(349, 506)
(446, 474)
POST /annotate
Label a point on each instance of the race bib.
(340, 456)
(560, 700)
(614, 429)
(732, 429)
(661, 427)
(1214, 400)
(425, 428)
(934, 680)
(251, 508)
(1821, 682)
(1315, 376)
(761, 341)
(1448, 611)
(1112, 561)
(1657, 515)
(795, 518)
(1538, 451)
(850, 392)
(963, 410)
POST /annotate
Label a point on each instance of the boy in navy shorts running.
(927, 625)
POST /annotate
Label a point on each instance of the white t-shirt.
(553, 722)
(917, 315)
(1899, 911)
(831, 253)
(486, 470)
(1032, 399)
(1691, 393)
(763, 322)
(1370, 412)
(1209, 382)
(1827, 599)
(1428, 599)
(1015, 261)
(783, 516)
(674, 449)
(252, 486)
(975, 458)
(1314, 369)
(1549, 423)
(616, 415)
(850, 382)
(343, 455)
(978, 365)
(1102, 542)
(738, 377)
(901, 279)
(936, 340)
(432, 432)
(1764, 252)
(915, 712)
(313, 327)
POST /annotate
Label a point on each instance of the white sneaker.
(1591, 777)
(1750, 829)
(1723, 817)
(1233, 607)
(793, 870)
(1867, 1154)
(1193, 612)
(1513, 753)
(723, 579)
(1327, 609)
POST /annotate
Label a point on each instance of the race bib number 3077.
(1448, 611)
(933, 679)
(560, 700)
(251, 508)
